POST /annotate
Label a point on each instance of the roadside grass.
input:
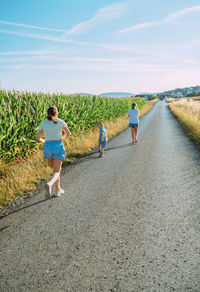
(24, 174)
(187, 112)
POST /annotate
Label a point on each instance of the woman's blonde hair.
(51, 112)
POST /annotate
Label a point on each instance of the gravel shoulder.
(127, 222)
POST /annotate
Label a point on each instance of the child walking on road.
(134, 122)
(102, 138)
(54, 150)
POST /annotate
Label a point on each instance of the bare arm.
(38, 137)
(67, 133)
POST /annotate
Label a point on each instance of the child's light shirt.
(133, 116)
(102, 131)
(51, 130)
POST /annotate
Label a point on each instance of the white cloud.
(179, 60)
(109, 12)
(141, 57)
(32, 26)
(192, 44)
(41, 36)
(15, 53)
(120, 48)
(182, 13)
(121, 67)
(60, 58)
(60, 63)
(171, 17)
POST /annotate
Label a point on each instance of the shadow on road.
(82, 158)
(120, 146)
(3, 228)
(23, 208)
(93, 155)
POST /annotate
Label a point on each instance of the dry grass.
(24, 174)
(170, 99)
(190, 106)
(187, 112)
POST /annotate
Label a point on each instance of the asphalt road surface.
(127, 222)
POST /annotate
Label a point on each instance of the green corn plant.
(22, 112)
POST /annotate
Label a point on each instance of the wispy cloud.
(32, 26)
(41, 37)
(171, 17)
(58, 57)
(15, 53)
(143, 54)
(113, 64)
(183, 12)
(150, 71)
(179, 59)
(119, 47)
(107, 13)
(192, 44)
(104, 67)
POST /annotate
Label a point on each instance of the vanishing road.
(129, 221)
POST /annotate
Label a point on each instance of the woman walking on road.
(134, 122)
(54, 150)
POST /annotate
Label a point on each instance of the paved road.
(128, 222)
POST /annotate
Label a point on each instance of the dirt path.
(128, 221)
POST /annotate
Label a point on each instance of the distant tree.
(193, 93)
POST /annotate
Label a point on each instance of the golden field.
(187, 112)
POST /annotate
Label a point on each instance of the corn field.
(22, 112)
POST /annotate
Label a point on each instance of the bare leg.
(58, 188)
(136, 132)
(57, 183)
(133, 134)
(57, 164)
(101, 148)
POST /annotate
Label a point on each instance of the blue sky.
(99, 46)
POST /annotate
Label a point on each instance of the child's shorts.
(54, 150)
(133, 125)
(103, 144)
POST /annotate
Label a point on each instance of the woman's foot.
(136, 140)
(56, 195)
(133, 141)
(61, 191)
(48, 191)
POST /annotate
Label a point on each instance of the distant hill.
(117, 94)
(144, 93)
(83, 94)
(181, 92)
